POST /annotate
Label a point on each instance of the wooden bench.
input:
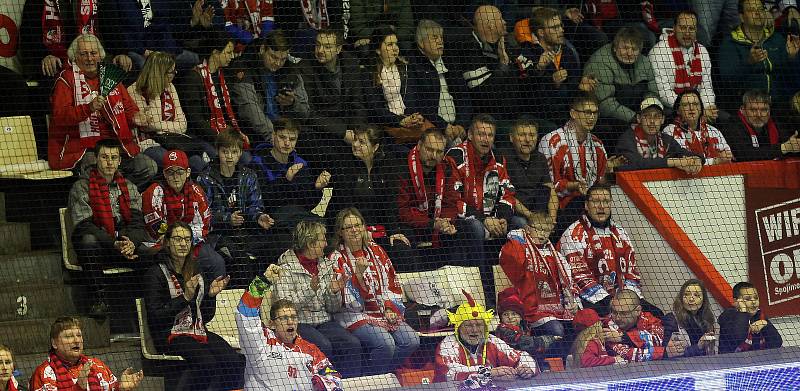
(68, 254)
(145, 339)
(451, 279)
(18, 157)
(375, 382)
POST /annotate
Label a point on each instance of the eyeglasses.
(555, 27)
(591, 113)
(690, 104)
(287, 318)
(175, 172)
(181, 239)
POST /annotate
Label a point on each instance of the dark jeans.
(96, 256)
(341, 347)
(478, 251)
(212, 265)
(212, 366)
(557, 328)
(245, 253)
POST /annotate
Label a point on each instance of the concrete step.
(15, 238)
(2, 207)
(31, 267)
(34, 301)
(33, 335)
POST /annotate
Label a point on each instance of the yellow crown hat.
(470, 310)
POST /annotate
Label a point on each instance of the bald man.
(484, 63)
(635, 335)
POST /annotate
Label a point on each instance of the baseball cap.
(585, 318)
(650, 102)
(175, 158)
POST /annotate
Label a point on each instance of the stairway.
(33, 294)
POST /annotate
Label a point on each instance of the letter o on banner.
(9, 37)
(787, 263)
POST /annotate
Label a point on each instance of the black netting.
(452, 192)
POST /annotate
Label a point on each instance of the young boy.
(289, 187)
(514, 330)
(238, 219)
(744, 327)
(541, 274)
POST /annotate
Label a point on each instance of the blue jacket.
(248, 200)
(277, 190)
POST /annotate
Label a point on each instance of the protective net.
(369, 194)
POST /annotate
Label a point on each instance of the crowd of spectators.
(447, 138)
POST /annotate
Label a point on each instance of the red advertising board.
(773, 230)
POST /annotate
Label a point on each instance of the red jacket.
(65, 147)
(453, 363)
(602, 259)
(542, 276)
(595, 355)
(56, 375)
(472, 180)
(195, 212)
(415, 211)
(644, 342)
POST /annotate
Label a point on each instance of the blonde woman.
(7, 380)
(310, 281)
(158, 100)
(589, 350)
(372, 305)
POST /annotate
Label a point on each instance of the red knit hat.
(175, 158)
(585, 318)
(508, 300)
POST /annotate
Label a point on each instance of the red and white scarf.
(217, 119)
(772, 131)
(102, 214)
(596, 245)
(416, 170)
(167, 106)
(180, 205)
(585, 153)
(373, 284)
(12, 384)
(420, 190)
(114, 110)
(697, 141)
(750, 342)
(685, 79)
(535, 260)
(66, 374)
(645, 148)
(315, 13)
(53, 24)
(185, 323)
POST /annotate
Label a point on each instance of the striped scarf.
(179, 204)
(685, 80)
(67, 374)
(185, 324)
(647, 150)
(100, 202)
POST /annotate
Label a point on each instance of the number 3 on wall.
(22, 309)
